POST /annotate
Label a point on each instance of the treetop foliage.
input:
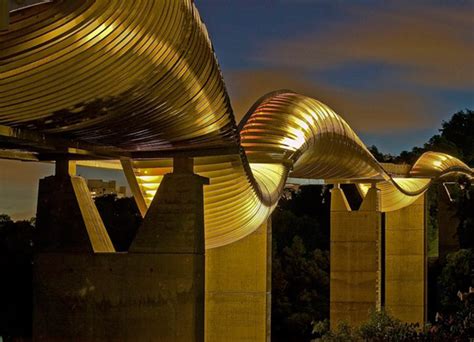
(456, 138)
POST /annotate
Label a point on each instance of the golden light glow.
(238, 200)
(133, 76)
(391, 198)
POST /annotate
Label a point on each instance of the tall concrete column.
(155, 292)
(238, 283)
(68, 226)
(355, 258)
(173, 233)
(67, 219)
(405, 266)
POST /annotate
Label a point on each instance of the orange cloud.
(366, 111)
(428, 45)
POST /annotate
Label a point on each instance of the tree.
(300, 289)
(121, 219)
(381, 327)
(376, 153)
(301, 230)
(16, 256)
(381, 157)
(300, 265)
(456, 275)
(456, 138)
(4, 220)
(465, 212)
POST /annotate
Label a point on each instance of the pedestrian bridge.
(136, 85)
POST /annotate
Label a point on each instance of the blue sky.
(393, 69)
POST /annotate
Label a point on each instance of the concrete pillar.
(174, 223)
(405, 266)
(447, 224)
(155, 292)
(67, 219)
(173, 229)
(238, 283)
(355, 258)
(68, 225)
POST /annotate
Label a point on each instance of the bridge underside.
(139, 82)
(165, 285)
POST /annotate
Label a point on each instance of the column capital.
(371, 201)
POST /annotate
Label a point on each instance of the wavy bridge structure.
(136, 85)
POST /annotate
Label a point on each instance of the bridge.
(137, 86)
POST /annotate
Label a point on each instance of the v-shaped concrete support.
(355, 258)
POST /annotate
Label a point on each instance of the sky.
(394, 70)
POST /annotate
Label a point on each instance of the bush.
(456, 326)
(343, 333)
(456, 275)
(381, 327)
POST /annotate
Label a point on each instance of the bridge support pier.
(238, 283)
(355, 258)
(153, 292)
(369, 273)
(67, 219)
(406, 263)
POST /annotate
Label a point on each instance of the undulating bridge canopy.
(141, 76)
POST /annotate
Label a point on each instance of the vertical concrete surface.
(238, 296)
(117, 297)
(67, 219)
(355, 258)
(405, 266)
(173, 229)
(155, 292)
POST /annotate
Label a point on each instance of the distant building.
(98, 187)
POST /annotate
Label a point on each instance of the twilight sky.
(393, 69)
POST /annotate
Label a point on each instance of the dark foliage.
(300, 269)
(121, 219)
(304, 213)
(456, 275)
(16, 255)
(381, 327)
(464, 203)
(434, 270)
(301, 229)
(456, 138)
(381, 157)
(300, 272)
(455, 326)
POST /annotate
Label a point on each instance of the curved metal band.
(142, 76)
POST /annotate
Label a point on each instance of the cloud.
(427, 45)
(367, 112)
